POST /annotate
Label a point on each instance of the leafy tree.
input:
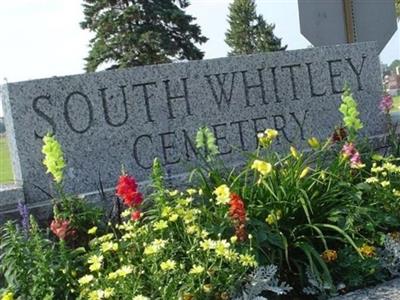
(248, 32)
(139, 32)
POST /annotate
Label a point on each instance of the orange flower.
(329, 255)
(367, 250)
(237, 213)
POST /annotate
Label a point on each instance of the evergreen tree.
(248, 32)
(140, 32)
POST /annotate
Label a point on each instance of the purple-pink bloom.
(386, 104)
(355, 160)
(348, 149)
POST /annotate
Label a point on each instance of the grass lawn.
(396, 104)
(6, 175)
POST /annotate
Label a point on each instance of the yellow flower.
(109, 246)
(7, 296)
(53, 157)
(233, 239)
(372, 180)
(168, 265)
(192, 229)
(207, 288)
(396, 193)
(92, 230)
(261, 166)
(274, 217)
(385, 183)
(96, 295)
(247, 260)
(166, 211)
(85, 279)
(160, 225)
(112, 275)
(304, 172)
(108, 292)
(155, 247)
(207, 244)
(173, 218)
(95, 262)
(106, 237)
(221, 247)
(140, 297)
(265, 138)
(329, 255)
(124, 271)
(196, 269)
(314, 143)
(173, 193)
(294, 152)
(367, 250)
(191, 191)
(223, 194)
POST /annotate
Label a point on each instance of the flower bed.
(295, 225)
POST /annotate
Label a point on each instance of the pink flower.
(348, 150)
(62, 229)
(355, 161)
(386, 104)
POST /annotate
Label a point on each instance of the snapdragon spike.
(386, 104)
(237, 213)
(62, 229)
(127, 190)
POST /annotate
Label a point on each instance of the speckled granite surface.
(386, 291)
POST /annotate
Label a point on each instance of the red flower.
(237, 210)
(62, 229)
(237, 213)
(127, 191)
(339, 135)
(136, 215)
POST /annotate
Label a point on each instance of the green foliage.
(34, 266)
(136, 32)
(205, 140)
(248, 32)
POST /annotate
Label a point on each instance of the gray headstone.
(127, 117)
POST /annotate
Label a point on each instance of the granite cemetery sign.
(127, 117)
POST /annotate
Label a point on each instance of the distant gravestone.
(128, 117)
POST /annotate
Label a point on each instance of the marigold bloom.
(62, 229)
(367, 250)
(262, 167)
(329, 255)
(127, 190)
(223, 194)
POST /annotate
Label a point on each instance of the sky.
(42, 38)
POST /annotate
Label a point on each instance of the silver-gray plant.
(263, 279)
(389, 256)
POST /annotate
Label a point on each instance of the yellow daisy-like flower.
(96, 295)
(207, 244)
(173, 193)
(396, 193)
(372, 180)
(108, 292)
(247, 260)
(92, 230)
(223, 194)
(173, 218)
(221, 247)
(124, 271)
(262, 167)
(329, 255)
(112, 275)
(191, 191)
(196, 269)
(109, 246)
(160, 225)
(95, 262)
(367, 250)
(168, 265)
(192, 229)
(85, 279)
(385, 183)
